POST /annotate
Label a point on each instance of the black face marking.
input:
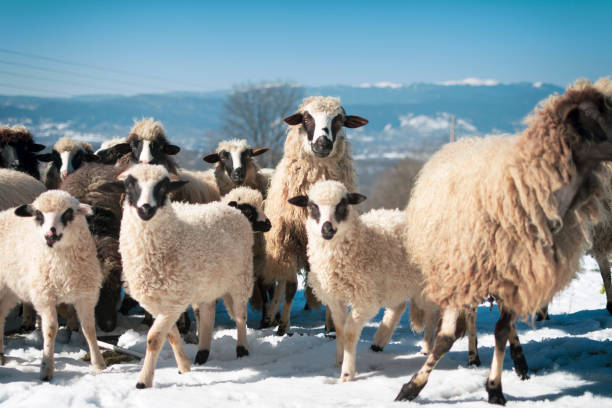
(77, 159)
(160, 191)
(67, 216)
(309, 124)
(341, 210)
(132, 190)
(39, 217)
(28, 160)
(314, 211)
(337, 124)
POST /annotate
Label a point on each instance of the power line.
(82, 75)
(26, 88)
(99, 68)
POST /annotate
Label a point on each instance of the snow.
(569, 357)
(471, 82)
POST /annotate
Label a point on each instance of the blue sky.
(157, 46)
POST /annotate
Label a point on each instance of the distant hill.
(404, 119)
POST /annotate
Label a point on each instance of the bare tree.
(255, 112)
(392, 190)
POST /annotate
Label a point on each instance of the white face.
(9, 156)
(145, 154)
(237, 164)
(321, 133)
(66, 163)
(147, 195)
(327, 221)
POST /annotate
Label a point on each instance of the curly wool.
(17, 188)
(14, 134)
(482, 211)
(147, 129)
(66, 144)
(297, 171)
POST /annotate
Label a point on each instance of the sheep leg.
(604, 269)
(182, 360)
(155, 340)
(387, 326)
(283, 325)
(28, 317)
(48, 315)
(239, 316)
(432, 317)
(542, 314)
(205, 331)
(516, 353)
(265, 304)
(473, 357)
(502, 333)
(7, 301)
(86, 314)
(277, 298)
(352, 331)
(338, 312)
(445, 338)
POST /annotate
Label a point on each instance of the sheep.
(60, 267)
(177, 254)
(235, 166)
(18, 188)
(316, 148)
(250, 203)
(66, 157)
(361, 261)
(18, 150)
(508, 216)
(112, 150)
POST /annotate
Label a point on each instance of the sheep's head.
(234, 156)
(55, 212)
(18, 150)
(250, 202)
(149, 144)
(328, 208)
(146, 188)
(112, 150)
(323, 120)
(68, 155)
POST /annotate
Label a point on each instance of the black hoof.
(141, 386)
(306, 306)
(241, 351)
(201, 357)
(609, 307)
(282, 330)
(409, 391)
(542, 316)
(265, 323)
(375, 348)
(2, 359)
(495, 395)
(520, 367)
(474, 361)
(46, 378)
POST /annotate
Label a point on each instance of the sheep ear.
(258, 151)
(90, 157)
(175, 185)
(211, 158)
(300, 201)
(121, 148)
(171, 149)
(355, 198)
(351, 121)
(46, 157)
(112, 187)
(85, 209)
(25, 210)
(37, 147)
(582, 119)
(233, 204)
(294, 119)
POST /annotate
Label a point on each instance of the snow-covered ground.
(569, 357)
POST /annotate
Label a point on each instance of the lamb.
(18, 150)
(235, 167)
(250, 203)
(178, 254)
(66, 157)
(361, 261)
(112, 150)
(508, 217)
(316, 149)
(61, 267)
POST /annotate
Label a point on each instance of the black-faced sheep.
(235, 167)
(508, 216)
(111, 151)
(316, 149)
(67, 156)
(48, 258)
(178, 254)
(18, 150)
(361, 261)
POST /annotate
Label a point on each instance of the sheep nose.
(322, 147)
(64, 173)
(53, 231)
(328, 231)
(145, 161)
(238, 174)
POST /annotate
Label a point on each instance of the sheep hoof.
(265, 323)
(409, 391)
(346, 377)
(542, 316)
(375, 348)
(45, 378)
(241, 351)
(609, 307)
(495, 394)
(474, 361)
(282, 330)
(2, 359)
(201, 357)
(141, 386)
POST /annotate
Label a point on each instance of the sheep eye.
(67, 216)
(39, 217)
(224, 154)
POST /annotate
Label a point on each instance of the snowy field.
(569, 357)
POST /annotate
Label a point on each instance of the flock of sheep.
(507, 217)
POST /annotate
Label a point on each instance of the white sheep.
(177, 254)
(48, 258)
(316, 149)
(235, 166)
(361, 261)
